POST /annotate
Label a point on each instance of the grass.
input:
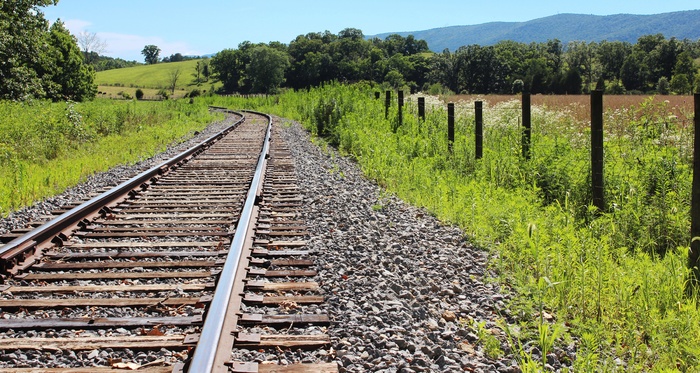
(613, 282)
(152, 77)
(48, 147)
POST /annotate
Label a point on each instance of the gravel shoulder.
(404, 290)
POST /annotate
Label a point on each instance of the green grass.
(48, 147)
(614, 281)
(152, 76)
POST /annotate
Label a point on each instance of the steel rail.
(203, 359)
(29, 242)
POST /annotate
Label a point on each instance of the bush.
(194, 93)
(518, 86)
(163, 94)
(139, 94)
(662, 86)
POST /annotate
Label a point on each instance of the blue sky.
(208, 26)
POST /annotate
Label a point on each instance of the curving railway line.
(196, 265)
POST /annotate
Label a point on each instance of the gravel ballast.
(403, 290)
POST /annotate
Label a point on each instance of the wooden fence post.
(479, 128)
(527, 124)
(400, 108)
(694, 254)
(387, 103)
(450, 125)
(421, 108)
(597, 178)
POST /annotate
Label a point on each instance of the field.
(578, 106)
(150, 78)
(611, 283)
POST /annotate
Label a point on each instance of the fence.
(596, 144)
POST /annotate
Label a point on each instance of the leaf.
(126, 366)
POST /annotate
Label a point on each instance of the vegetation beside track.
(47, 147)
(611, 283)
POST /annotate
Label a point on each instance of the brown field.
(579, 105)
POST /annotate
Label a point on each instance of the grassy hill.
(150, 78)
(565, 27)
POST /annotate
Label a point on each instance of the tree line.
(653, 64)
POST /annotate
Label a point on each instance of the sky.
(202, 27)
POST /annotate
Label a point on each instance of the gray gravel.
(404, 291)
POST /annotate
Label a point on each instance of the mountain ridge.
(565, 27)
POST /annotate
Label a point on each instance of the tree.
(227, 67)
(173, 77)
(581, 56)
(71, 77)
(151, 53)
(92, 46)
(635, 72)
(206, 71)
(611, 56)
(680, 84)
(394, 79)
(266, 69)
(197, 73)
(663, 86)
(22, 32)
(685, 65)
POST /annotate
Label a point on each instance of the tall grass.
(614, 280)
(47, 147)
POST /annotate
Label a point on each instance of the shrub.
(163, 94)
(518, 86)
(195, 93)
(662, 86)
(139, 94)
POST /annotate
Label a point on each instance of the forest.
(653, 64)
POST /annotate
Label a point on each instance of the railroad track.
(197, 265)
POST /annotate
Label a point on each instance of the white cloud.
(129, 46)
(76, 25)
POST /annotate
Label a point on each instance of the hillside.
(148, 76)
(565, 27)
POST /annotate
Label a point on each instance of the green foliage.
(266, 69)
(38, 62)
(681, 84)
(616, 279)
(227, 67)
(163, 94)
(663, 86)
(72, 77)
(150, 54)
(518, 86)
(47, 147)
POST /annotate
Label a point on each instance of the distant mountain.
(565, 27)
